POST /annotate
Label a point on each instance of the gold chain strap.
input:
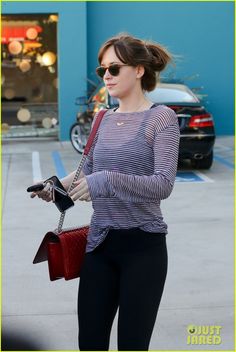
(78, 171)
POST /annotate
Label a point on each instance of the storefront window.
(29, 75)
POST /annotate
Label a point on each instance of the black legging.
(128, 270)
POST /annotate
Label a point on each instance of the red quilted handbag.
(64, 252)
(65, 249)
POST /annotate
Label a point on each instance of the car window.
(168, 95)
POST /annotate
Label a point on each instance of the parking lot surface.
(199, 288)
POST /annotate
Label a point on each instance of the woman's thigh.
(141, 286)
(97, 302)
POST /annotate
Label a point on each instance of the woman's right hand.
(45, 194)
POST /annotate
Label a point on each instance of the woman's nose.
(107, 74)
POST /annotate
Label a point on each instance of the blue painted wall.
(201, 33)
(72, 52)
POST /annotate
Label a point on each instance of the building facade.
(199, 34)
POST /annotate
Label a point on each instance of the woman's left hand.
(80, 191)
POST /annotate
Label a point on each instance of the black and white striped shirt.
(130, 169)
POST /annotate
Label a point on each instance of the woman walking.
(130, 169)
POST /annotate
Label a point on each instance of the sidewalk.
(199, 287)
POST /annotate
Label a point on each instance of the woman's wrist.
(67, 180)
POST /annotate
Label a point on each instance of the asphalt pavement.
(197, 308)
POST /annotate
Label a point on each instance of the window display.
(29, 75)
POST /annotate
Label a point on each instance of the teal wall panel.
(200, 33)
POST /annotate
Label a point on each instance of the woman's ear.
(140, 70)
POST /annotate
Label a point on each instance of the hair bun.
(160, 56)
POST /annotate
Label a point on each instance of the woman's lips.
(110, 85)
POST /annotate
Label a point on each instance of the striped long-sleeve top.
(130, 168)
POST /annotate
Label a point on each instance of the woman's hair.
(133, 51)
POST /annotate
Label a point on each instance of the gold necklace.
(122, 123)
(140, 106)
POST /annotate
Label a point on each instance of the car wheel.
(78, 137)
(204, 163)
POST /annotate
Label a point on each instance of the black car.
(197, 133)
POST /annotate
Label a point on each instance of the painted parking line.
(224, 161)
(223, 147)
(36, 168)
(60, 170)
(192, 176)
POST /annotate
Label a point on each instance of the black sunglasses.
(113, 69)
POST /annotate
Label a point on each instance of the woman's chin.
(113, 94)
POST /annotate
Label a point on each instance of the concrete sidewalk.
(199, 287)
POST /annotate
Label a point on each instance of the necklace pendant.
(120, 123)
